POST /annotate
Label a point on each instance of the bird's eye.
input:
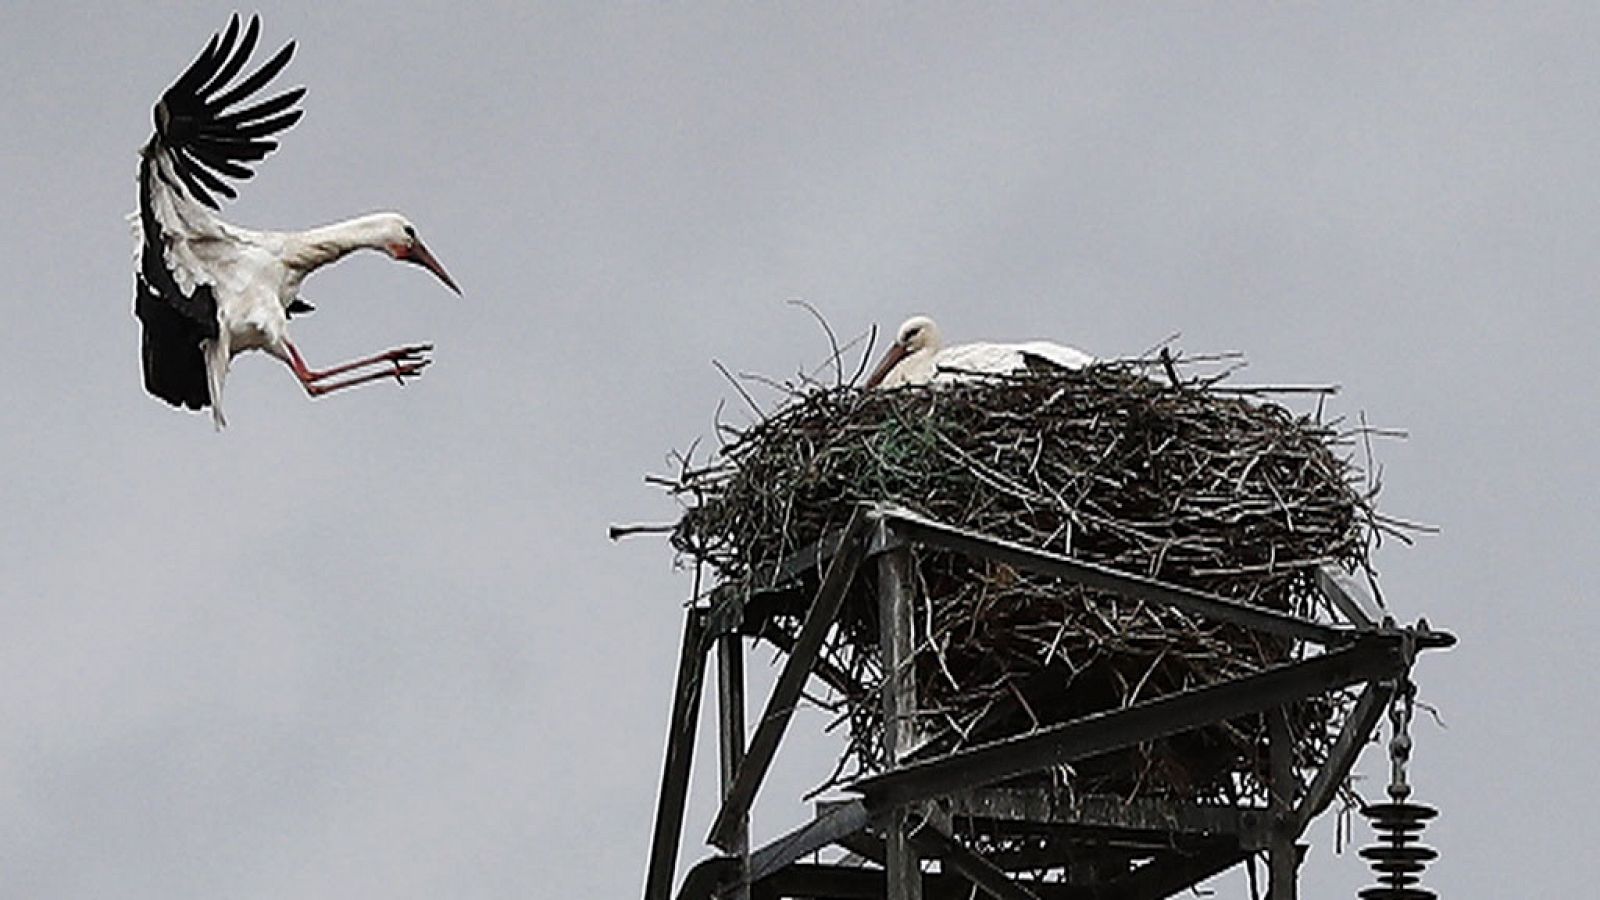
(411, 232)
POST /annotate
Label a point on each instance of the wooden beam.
(1165, 877)
(924, 530)
(953, 855)
(1283, 862)
(840, 821)
(791, 681)
(680, 754)
(1168, 819)
(730, 717)
(822, 668)
(835, 882)
(1343, 755)
(902, 862)
(1373, 655)
(1344, 595)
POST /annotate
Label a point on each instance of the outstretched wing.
(200, 126)
(204, 133)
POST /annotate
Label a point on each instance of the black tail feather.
(174, 366)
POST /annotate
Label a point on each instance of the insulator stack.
(1398, 860)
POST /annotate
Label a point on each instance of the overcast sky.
(377, 645)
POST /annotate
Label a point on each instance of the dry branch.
(1176, 478)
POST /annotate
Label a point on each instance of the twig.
(618, 532)
(833, 342)
(750, 401)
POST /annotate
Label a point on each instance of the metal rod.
(791, 681)
(1371, 656)
(730, 717)
(902, 864)
(680, 753)
(924, 530)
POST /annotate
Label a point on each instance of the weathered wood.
(954, 856)
(729, 599)
(829, 827)
(1343, 755)
(1283, 861)
(708, 877)
(1372, 656)
(791, 681)
(902, 863)
(822, 668)
(1167, 876)
(730, 717)
(680, 754)
(835, 882)
(924, 530)
(1168, 819)
(1336, 586)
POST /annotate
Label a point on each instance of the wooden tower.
(943, 824)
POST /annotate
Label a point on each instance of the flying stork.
(208, 290)
(918, 356)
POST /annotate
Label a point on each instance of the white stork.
(918, 356)
(208, 290)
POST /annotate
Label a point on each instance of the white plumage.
(209, 290)
(918, 356)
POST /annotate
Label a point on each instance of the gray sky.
(378, 645)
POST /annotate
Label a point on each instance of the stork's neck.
(316, 247)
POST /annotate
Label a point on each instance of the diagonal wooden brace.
(791, 681)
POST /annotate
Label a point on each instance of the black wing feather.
(268, 126)
(175, 323)
(244, 150)
(202, 140)
(240, 56)
(203, 67)
(203, 174)
(216, 160)
(197, 128)
(223, 50)
(186, 173)
(169, 350)
(262, 110)
(259, 80)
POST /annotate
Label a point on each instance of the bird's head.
(917, 334)
(398, 238)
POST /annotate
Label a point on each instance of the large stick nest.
(1199, 485)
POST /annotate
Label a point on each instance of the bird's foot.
(401, 363)
(409, 361)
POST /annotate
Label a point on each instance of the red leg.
(402, 363)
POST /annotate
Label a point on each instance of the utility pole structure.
(940, 826)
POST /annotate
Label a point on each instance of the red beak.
(895, 353)
(419, 254)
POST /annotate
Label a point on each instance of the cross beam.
(1376, 655)
(924, 530)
